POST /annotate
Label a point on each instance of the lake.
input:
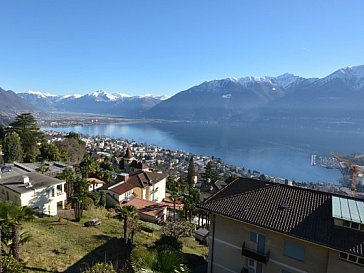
(273, 150)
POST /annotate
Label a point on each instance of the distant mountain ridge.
(11, 105)
(246, 99)
(98, 102)
(254, 98)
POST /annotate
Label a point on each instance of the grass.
(57, 245)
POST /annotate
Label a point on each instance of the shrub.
(88, 203)
(168, 242)
(101, 268)
(11, 265)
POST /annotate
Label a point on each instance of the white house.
(38, 191)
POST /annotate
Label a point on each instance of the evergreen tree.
(49, 151)
(191, 172)
(80, 191)
(211, 173)
(25, 126)
(12, 147)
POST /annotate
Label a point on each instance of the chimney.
(25, 179)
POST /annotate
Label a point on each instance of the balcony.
(249, 250)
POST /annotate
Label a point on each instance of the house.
(41, 192)
(150, 186)
(261, 227)
(94, 183)
(149, 211)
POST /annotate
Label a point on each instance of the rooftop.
(149, 208)
(348, 209)
(298, 212)
(37, 181)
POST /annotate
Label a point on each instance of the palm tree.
(13, 215)
(68, 175)
(127, 213)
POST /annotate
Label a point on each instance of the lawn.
(67, 246)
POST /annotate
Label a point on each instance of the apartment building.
(263, 227)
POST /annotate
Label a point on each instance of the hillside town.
(179, 196)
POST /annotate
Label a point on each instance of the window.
(254, 266)
(294, 250)
(259, 239)
(351, 258)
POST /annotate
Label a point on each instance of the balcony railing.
(254, 254)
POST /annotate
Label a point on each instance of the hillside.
(11, 105)
(340, 94)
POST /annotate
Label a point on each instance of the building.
(41, 192)
(94, 183)
(263, 227)
(149, 211)
(150, 186)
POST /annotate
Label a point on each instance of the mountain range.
(98, 102)
(340, 94)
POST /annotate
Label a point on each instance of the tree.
(174, 192)
(211, 173)
(72, 149)
(80, 190)
(25, 126)
(12, 216)
(191, 172)
(89, 167)
(68, 175)
(127, 213)
(49, 151)
(13, 150)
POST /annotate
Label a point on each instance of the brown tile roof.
(298, 212)
(149, 208)
(143, 179)
(123, 188)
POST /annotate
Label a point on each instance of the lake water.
(272, 150)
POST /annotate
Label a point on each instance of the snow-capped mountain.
(251, 98)
(98, 102)
(232, 99)
(351, 75)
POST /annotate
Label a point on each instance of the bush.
(95, 196)
(11, 265)
(88, 203)
(168, 242)
(101, 268)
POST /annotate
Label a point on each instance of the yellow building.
(263, 227)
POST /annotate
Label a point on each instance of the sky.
(166, 46)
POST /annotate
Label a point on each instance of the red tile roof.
(149, 208)
(95, 180)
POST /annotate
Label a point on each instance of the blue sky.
(163, 47)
